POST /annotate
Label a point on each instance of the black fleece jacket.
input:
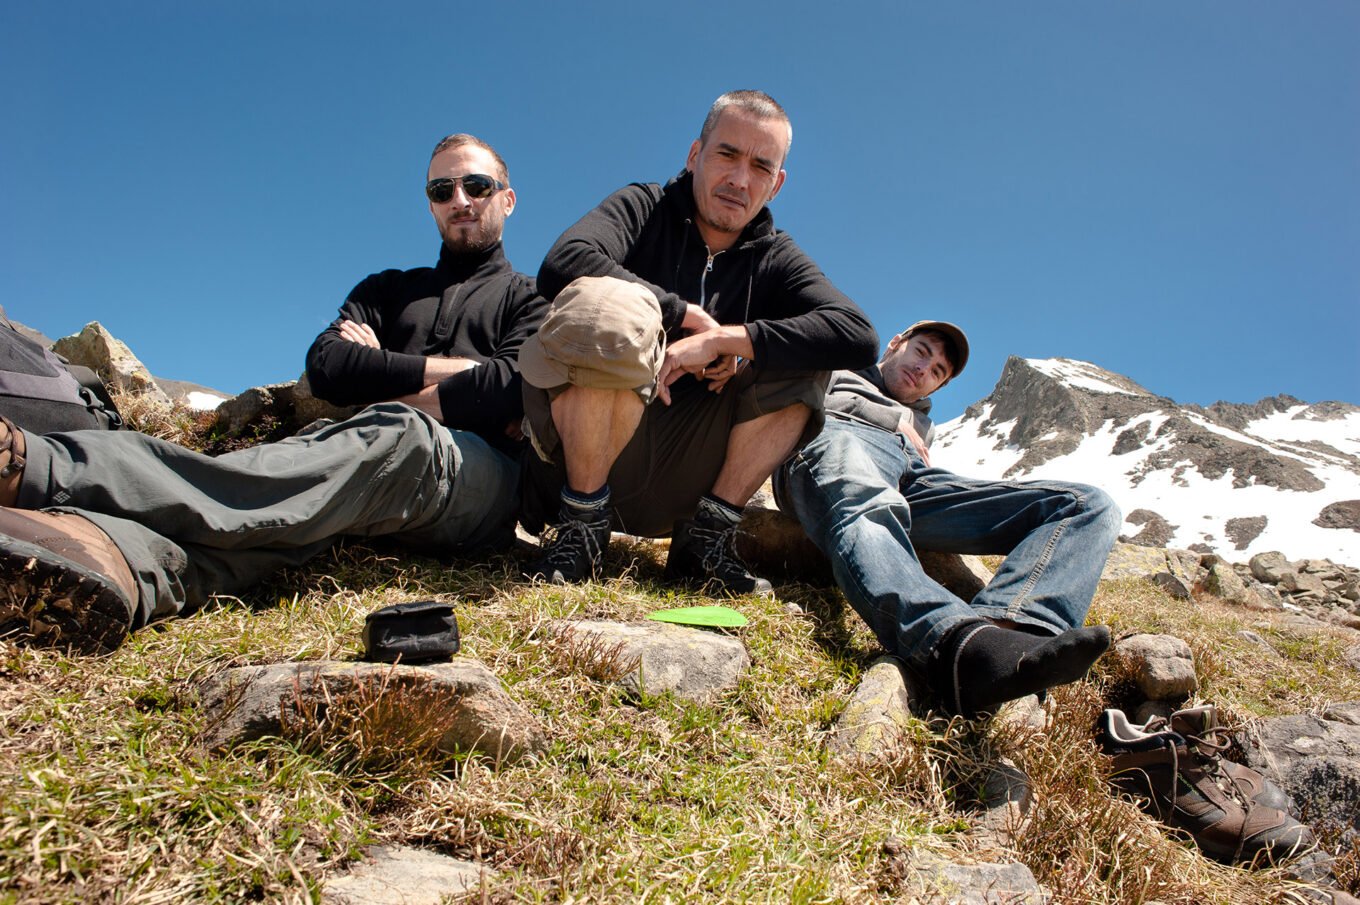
(468, 305)
(796, 318)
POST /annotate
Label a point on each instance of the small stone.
(1162, 666)
(1174, 586)
(1260, 642)
(1150, 709)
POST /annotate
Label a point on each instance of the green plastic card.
(722, 616)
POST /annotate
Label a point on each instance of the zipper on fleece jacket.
(703, 278)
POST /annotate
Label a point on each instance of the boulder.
(930, 877)
(464, 702)
(1162, 666)
(1270, 567)
(1133, 561)
(656, 657)
(1317, 761)
(276, 410)
(874, 721)
(97, 349)
(1224, 582)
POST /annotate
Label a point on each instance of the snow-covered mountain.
(1231, 479)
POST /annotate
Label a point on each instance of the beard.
(471, 237)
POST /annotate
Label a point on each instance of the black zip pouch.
(413, 632)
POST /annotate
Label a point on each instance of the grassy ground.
(108, 794)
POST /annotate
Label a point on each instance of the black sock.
(981, 665)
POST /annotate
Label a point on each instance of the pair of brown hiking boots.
(63, 582)
(1176, 768)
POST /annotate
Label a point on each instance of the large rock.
(1343, 515)
(400, 875)
(1317, 761)
(97, 349)
(874, 721)
(653, 658)
(1270, 566)
(462, 701)
(276, 410)
(1162, 666)
(1223, 581)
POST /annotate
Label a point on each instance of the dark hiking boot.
(63, 582)
(572, 550)
(11, 461)
(703, 554)
(1177, 769)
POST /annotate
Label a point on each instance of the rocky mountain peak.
(1230, 478)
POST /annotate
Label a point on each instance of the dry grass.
(105, 793)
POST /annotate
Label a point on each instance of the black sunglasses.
(474, 186)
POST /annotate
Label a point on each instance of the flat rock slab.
(1134, 561)
(658, 657)
(472, 707)
(931, 878)
(399, 875)
(1317, 761)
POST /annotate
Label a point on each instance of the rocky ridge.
(1231, 479)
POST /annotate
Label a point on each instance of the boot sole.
(49, 601)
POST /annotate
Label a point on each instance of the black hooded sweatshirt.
(468, 305)
(796, 318)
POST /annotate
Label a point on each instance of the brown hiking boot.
(1176, 768)
(63, 582)
(11, 461)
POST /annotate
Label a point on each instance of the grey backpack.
(42, 393)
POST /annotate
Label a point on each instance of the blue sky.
(1170, 190)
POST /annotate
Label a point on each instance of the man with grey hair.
(685, 356)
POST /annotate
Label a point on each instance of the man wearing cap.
(866, 493)
(684, 357)
(105, 531)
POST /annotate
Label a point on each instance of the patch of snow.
(1079, 374)
(203, 402)
(1342, 433)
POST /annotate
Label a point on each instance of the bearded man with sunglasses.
(443, 339)
(685, 356)
(102, 532)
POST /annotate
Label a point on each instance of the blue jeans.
(867, 500)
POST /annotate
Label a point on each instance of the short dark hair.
(756, 103)
(951, 349)
(460, 139)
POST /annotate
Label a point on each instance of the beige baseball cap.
(949, 330)
(600, 332)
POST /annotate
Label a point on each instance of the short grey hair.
(461, 139)
(757, 103)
